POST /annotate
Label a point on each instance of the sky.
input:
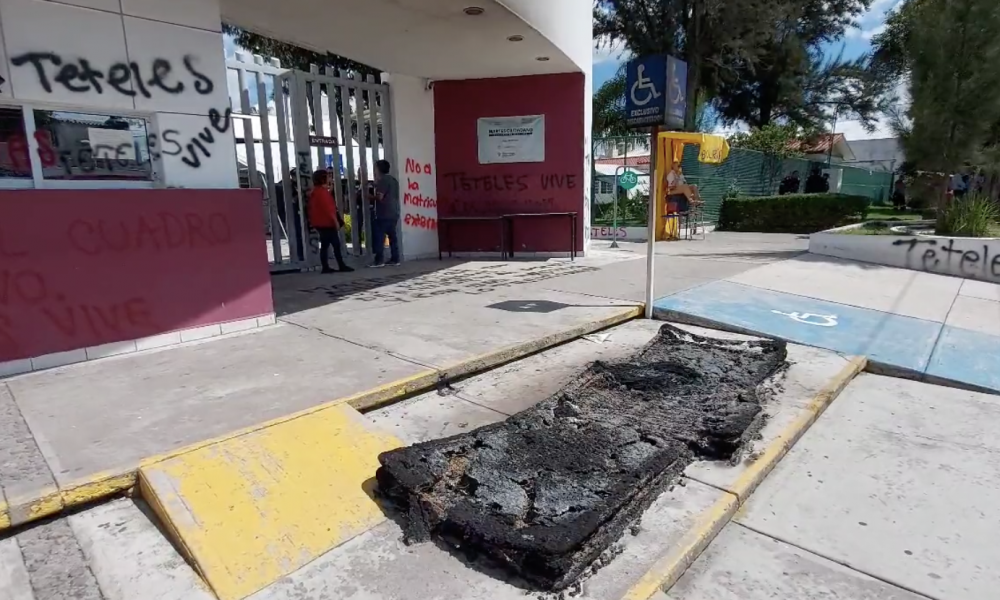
(856, 42)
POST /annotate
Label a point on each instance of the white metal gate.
(292, 120)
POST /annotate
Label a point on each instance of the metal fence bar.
(281, 112)
(352, 113)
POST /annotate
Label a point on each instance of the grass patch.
(887, 214)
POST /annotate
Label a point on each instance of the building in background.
(119, 237)
(884, 154)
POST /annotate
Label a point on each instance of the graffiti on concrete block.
(965, 258)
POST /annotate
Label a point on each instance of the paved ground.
(893, 494)
(113, 552)
(938, 327)
(337, 335)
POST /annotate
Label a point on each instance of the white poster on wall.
(511, 139)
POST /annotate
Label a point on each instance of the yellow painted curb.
(252, 509)
(4, 517)
(665, 573)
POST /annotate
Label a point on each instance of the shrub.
(793, 213)
(975, 216)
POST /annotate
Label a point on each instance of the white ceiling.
(425, 38)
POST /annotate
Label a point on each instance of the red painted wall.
(81, 268)
(467, 188)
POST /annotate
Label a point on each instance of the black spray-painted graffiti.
(220, 123)
(80, 76)
(970, 262)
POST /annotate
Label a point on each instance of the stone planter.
(970, 258)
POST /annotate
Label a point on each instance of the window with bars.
(52, 148)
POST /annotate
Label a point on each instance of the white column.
(413, 131)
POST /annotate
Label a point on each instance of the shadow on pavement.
(411, 282)
(773, 256)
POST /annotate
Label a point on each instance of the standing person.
(814, 183)
(279, 195)
(899, 194)
(790, 184)
(324, 219)
(958, 185)
(386, 202)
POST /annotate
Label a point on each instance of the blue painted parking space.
(892, 339)
(967, 356)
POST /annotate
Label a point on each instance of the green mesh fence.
(748, 172)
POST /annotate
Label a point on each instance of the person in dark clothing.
(899, 194)
(815, 182)
(386, 202)
(279, 196)
(324, 219)
(790, 184)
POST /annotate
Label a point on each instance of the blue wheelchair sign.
(646, 91)
(655, 88)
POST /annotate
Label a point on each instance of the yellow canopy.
(713, 149)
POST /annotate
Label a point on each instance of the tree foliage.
(756, 61)
(292, 56)
(948, 51)
(710, 35)
(771, 139)
(792, 81)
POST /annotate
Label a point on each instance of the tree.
(609, 108)
(302, 59)
(947, 51)
(711, 36)
(793, 81)
(775, 142)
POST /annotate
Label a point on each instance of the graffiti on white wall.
(966, 257)
(80, 75)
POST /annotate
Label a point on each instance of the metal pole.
(614, 219)
(651, 225)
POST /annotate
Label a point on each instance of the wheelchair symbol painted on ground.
(643, 84)
(810, 318)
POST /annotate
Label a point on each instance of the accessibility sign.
(655, 91)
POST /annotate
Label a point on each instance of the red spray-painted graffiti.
(413, 199)
(81, 269)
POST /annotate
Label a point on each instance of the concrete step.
(109, 552)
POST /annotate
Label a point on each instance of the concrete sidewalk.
(114, 552)
(78, 432)
(894, 493)
(910, 323)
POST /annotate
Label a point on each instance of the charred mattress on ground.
(549, 489)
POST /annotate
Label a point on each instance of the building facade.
(123, 224)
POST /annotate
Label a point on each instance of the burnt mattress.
(546, 491)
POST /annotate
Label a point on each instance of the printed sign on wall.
(511, 139)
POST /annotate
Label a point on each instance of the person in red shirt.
(324, 219)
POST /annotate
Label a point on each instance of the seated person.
(678, 186)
